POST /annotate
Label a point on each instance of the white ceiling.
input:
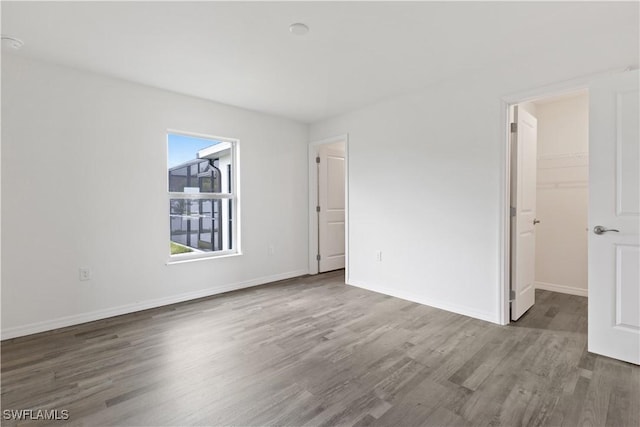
(355, 54)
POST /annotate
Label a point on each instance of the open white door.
(331, 202)
(524, 140)
(614, 214)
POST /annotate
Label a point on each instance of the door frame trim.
(313, 197)
(504, 231)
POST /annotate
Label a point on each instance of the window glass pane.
(199, 225)
(206, 185)
(209, 180)
(195, 164)
(177, 179)
(193, 175)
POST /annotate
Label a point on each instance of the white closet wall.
(561, 237)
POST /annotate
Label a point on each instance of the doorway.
(613, 264)
(549, 198)
(328, 205)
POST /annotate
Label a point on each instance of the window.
(203, 199)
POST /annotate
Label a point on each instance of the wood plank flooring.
(313, 351)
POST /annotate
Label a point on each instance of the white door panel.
(627, 289)
(614, 203)
(523, 242)
(335, 181)
(334, 240)
(331, 199)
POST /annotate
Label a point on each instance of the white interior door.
(524, 140)
(614, 203)
(331, 201)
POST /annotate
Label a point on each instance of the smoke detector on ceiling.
(12, 42)
(299, 29)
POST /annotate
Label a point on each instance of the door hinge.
(318, 159)
(513, 211)
(512, 295)
(318, 257)
(514, 127)
(317, 208)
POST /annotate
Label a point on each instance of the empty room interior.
(320, 213)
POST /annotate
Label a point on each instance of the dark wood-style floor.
(313, 351)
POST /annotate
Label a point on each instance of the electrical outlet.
(271, 250)
(379, 256)
(84, 274)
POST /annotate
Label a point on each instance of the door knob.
(536, 221)
(598, 229)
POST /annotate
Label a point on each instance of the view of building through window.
(201, 196)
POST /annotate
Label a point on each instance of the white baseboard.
(561, 288)
(409, 296)
(61, 322)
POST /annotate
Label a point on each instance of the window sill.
(176, 259)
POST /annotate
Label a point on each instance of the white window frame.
(234, 196)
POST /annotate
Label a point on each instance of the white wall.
(424, 173)
(562, 194)
(84, 185)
